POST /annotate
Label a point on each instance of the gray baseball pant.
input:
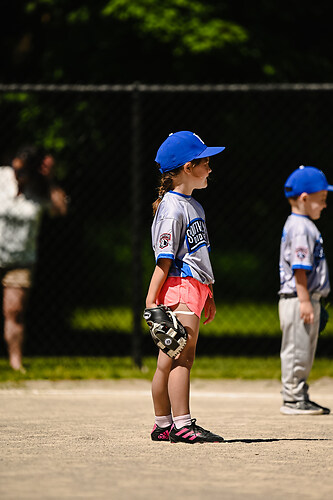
(298, 347)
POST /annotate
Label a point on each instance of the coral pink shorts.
(188, 291)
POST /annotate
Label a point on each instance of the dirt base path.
(91, 440)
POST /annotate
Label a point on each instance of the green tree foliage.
(190, 26)
(165, 41)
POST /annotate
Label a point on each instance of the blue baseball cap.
(182, 147)
(306, 180)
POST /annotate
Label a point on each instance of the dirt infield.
(90, 440)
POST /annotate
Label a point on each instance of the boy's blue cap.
(182, 147)
(306, 180)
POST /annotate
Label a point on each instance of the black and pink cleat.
(160, 433)
(193, 434)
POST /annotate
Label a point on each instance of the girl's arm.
(158, 278)
(210, 307)
(306, 308)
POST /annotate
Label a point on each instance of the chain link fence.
(95, 264)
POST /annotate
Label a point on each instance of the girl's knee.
(186, 358)
(187, 363)
(164, 364)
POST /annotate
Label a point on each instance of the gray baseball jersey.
(179, 233)
(302, 248)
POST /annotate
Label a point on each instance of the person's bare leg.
(179, 377)
(159, 388)
(14, 306)
(171, 382)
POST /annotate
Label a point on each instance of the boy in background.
(304, 280)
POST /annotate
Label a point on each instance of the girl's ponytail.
(165, 186)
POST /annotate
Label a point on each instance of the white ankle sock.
(182, 420)
(164, 421)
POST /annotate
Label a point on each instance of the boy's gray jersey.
(179, 233)
(302, 248)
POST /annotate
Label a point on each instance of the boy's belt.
(288, 295)
(314, 295)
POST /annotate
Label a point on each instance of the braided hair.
(166, 183)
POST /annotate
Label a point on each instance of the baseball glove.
(324, 316)
(166, 330)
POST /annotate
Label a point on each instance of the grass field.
(252, 319)
(84, 368)
(241, 319)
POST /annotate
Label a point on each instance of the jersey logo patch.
(301, 252)
(195, 235)
(165, 239)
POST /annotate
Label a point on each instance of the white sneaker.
(305, 407)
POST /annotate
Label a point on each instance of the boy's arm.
(210, 307)
(306, 308)
(158, 278)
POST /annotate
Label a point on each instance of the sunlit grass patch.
(102, 368)
(244, 318)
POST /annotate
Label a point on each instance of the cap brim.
(329, 188)
(209, 151)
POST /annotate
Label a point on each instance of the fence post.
(136, 166)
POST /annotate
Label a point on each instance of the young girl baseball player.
(182, 279)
